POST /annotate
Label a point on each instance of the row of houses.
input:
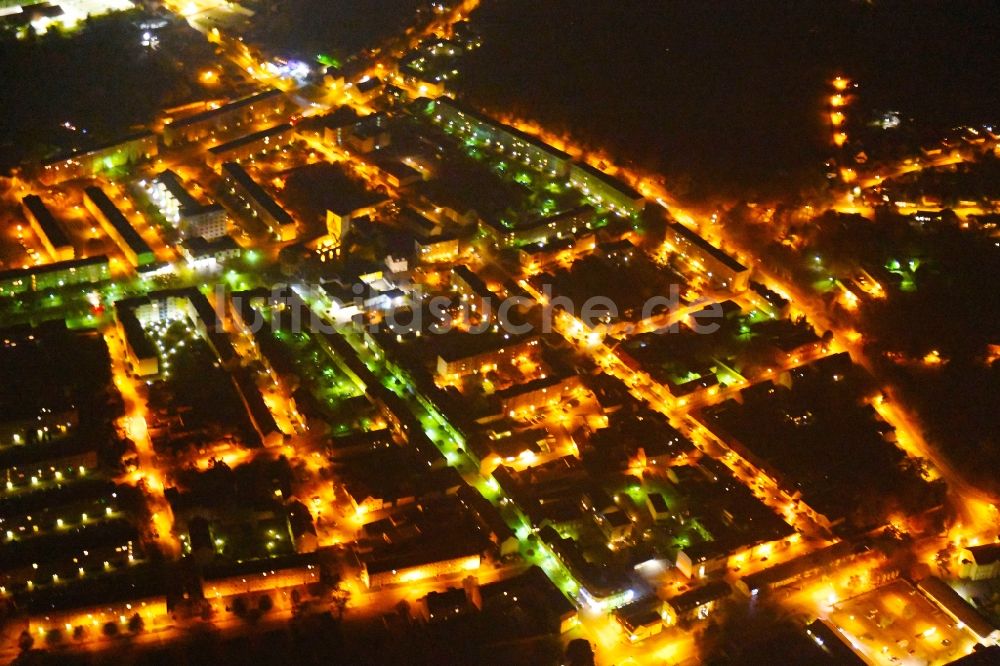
(117, 227)
(90, 271)
(49, 231)
(603, 189)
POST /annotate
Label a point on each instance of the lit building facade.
(504, 139)
(50, 233)
(86, 164)
(722, 270)
(117, 226)
(267, 105)
(252, 145)
(256, 202)
(544, 230)
(606, 191)
(54, 276)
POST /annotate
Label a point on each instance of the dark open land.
(727, 98)
(332, 27)
(88, 79)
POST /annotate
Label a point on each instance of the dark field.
(334, 27)
(100, 80)
(726, 98)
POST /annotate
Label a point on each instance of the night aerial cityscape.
(503, 332)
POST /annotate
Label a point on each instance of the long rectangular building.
(801, 567)
(510, 141)
(257, 202)
(139, 349)
(543, 230)
(421, 560)
(255, 108)
(54, 276)
(833, 643)
(605, 190)
(50, 233)
(723, 271)
(86, 163)
(247, 146)
(951, 602)
(117, 226)
(479, 351)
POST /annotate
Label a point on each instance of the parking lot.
(895, 624)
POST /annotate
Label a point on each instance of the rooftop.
(175, 186)
(99, 147)
(117, 220)
(227, 108)
(50, 227)
(239, 175)
(249, 139)
(513, 131)
(72, 264)
(609, 180)
(706, 247)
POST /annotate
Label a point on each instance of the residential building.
(471, 288)
(543, 230)
(194, 219)
(606, 191)
(53, 276)
(540, 393)
(139, 349)
(249, 146)
(641, 619)
(958, 609)
(437, 249)
(50, 233)
(697, 603)
(256, 202)
(833, 643)
(980, 562)
(267, 105)
(87, 163)
(420, 562)
(205, 254)
(473, 357)
(722, 270)
(117, 226)
(658, 508)
(465, 122)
